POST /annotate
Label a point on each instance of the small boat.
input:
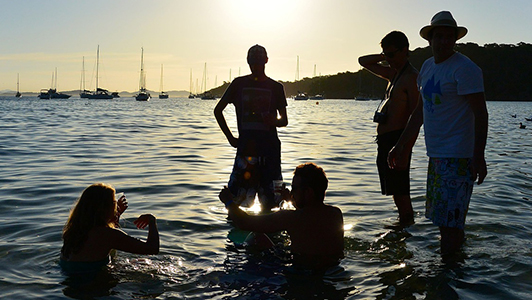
(317, 97)
(85, 94)
(18, 95)
(99, 93)
(362, 98)
(44, 94)
(52, 93)
(115, 95)
(528, 119)
(301, 96)
(143, 94)
(162, 94)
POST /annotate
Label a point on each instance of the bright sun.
(267, 15)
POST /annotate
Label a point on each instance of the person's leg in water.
(451, 240)
(269, 172)
(395, 183)
(404, 206)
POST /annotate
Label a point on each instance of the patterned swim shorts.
(254, 176)
(449, 189)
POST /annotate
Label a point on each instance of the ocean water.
(171, 160)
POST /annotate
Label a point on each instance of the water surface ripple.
(171, 159)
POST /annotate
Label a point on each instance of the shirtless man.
(315, 229)
(392, 117)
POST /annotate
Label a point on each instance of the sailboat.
(99, 93)
(190, 95)
(18, 95)
(83, 93)
(52, 93)
(206, 95)
(143, 94)
(162, 94)
(300, 95)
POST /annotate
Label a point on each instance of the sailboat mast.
(190, 81)
(161, 88)
(82, 83)
(204, 83)
(297, 69)
(17, 83)
(97, 66)
(141, 81)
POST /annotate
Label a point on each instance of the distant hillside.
(505, 68)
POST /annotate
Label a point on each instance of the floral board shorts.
(255, 175)
(449, 189)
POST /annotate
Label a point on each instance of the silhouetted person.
(452, 107)
(91, 231)
(391, 117)
(260, 104)
(315, 228)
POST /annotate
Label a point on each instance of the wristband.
(228, 203)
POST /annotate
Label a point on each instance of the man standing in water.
(399, 102)
(260, 104)
(452, 107)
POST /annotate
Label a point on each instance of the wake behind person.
(393, 114)
(315, 228)
(258, 100)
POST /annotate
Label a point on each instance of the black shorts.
(393, 182)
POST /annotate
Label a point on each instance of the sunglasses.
(390, 54)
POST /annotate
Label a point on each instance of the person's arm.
(273, 222)
(400, 153)
(122, 205)
(478, 105)
(412, 92)
(218, 113)
(119, 240)
(283, 120)
(371, 63)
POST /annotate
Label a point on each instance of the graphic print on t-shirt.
(256, 105)
(431, 88)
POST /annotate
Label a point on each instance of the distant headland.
(505, 68)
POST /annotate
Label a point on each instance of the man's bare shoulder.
(409, 77)
(333, 209)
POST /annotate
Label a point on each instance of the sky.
(184, 36)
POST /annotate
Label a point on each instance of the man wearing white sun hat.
(452, 107)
